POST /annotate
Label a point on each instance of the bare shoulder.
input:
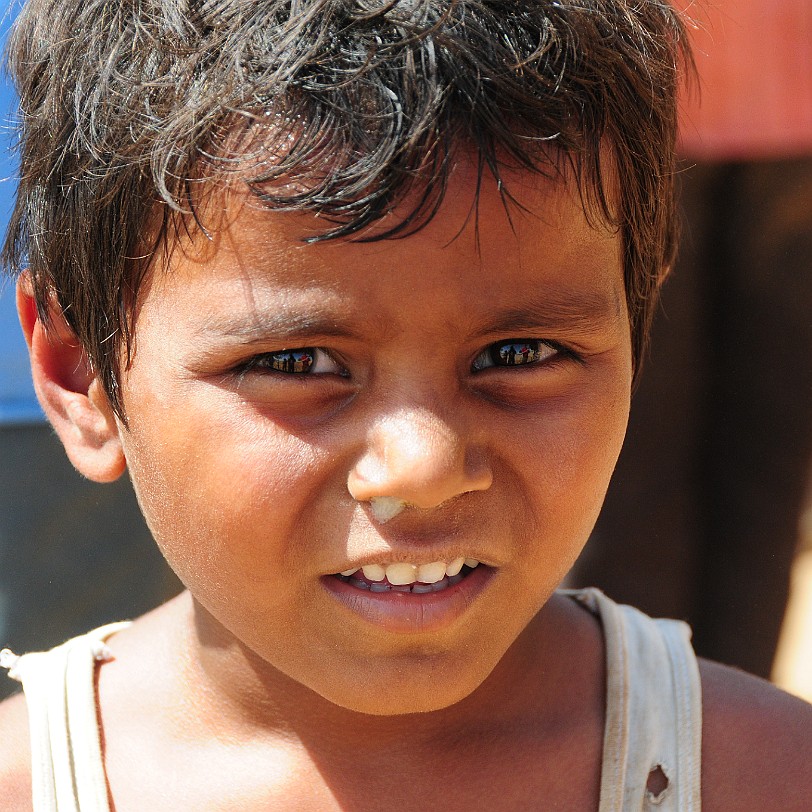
(15, 755)
(757, 744)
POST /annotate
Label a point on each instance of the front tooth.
(454, 567)
(373, 572)
(400, 574)
(431, 573)
(347, 573)
(471, 562)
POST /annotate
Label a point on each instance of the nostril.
(415, 457)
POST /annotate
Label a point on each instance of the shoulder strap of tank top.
(67, 772)
(653, 735)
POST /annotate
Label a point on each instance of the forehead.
(532, 236)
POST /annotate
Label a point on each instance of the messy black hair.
(345, 108)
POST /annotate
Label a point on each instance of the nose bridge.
(420, 456)
(419, 441)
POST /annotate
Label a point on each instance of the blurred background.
(709, 516)
(705, 516)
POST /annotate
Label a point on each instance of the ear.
(69, 392)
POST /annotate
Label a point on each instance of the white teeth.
(431, 573)
(400, 574)
(373, 572)
(404, 574)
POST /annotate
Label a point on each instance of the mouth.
(411, 598)
(403, 577)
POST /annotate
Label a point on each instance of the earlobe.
(70, 393)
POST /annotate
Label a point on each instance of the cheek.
(568, 465)
(569, 456)
(222, 490)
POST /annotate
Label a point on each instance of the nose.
(416, 456)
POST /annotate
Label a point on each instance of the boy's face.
(482, 376)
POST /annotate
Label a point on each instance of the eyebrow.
(281, 325)
(585, 312)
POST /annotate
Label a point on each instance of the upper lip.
(419, 537)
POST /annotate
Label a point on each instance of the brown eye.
(514, 353)
(296, 361)
(299, 360)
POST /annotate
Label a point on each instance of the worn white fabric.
(67, 773)
(653, 711)
(653, 716)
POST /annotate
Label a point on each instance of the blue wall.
(17, 401)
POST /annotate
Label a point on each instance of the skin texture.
(506, 465)
(259, 687)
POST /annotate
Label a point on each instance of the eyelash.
(299, 361)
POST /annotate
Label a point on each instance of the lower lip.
(407, 613)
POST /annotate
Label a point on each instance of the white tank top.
(653, 716)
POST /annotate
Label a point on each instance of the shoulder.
(756, 744)
(15, 755)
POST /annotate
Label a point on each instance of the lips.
(414, 607)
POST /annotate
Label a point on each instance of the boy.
(355, 292)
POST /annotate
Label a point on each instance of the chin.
(410, 689)
(397, 703)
